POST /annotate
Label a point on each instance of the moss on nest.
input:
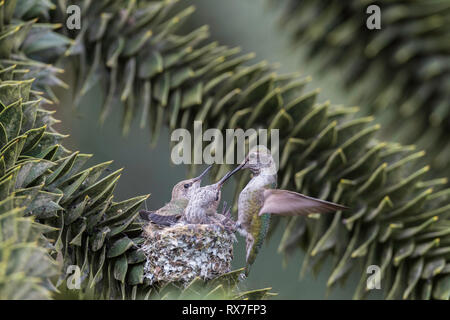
(182, 252)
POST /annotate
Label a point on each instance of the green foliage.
(25, 264)
(398, 220)
(71, 215)
(42, 178)
(222, 287)
(399, 72)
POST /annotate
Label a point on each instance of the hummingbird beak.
(229, 174)
(202, 174)
(242, 165)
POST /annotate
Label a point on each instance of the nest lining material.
(181, 253)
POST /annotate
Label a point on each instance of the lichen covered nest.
(182, 252)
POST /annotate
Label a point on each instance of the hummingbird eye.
(187, 185)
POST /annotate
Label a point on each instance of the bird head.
(259, 159)
(209, 196)
(184, 189)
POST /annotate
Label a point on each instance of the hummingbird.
(172, 211)
(203, 204)
(260, 198)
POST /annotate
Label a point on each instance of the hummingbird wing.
(144, 215)
(289, 203)
(158, 219)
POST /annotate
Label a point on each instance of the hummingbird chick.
(202, 207)
(260, 198)
(172, 211)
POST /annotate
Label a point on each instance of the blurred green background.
(251, 25)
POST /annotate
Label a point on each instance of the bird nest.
(182, 252)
